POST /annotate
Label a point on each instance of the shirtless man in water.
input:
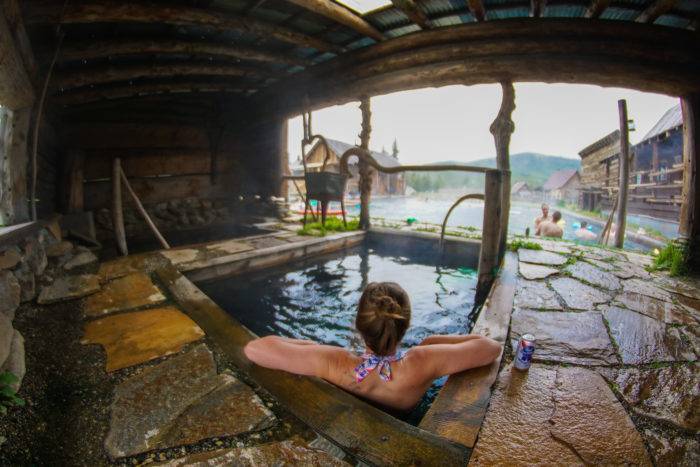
(550, 228)
(544, 216)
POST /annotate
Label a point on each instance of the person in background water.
(551, 228)
(582, 233)
(383, 374)
(544, 216)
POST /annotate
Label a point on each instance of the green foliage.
(333, 224)
(672, 259)
(516, 244)
(8, 396)
(425, 182)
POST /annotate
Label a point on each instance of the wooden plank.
(364, 168)
(491, 234)
(359, 428)
(72, 185)
(147, 89)
(148, 163)
(476, 7)
(414, 12)
(655, 9)
(117, 209)
(76, 51)
(537, 8)
(340, 14)
(176, 15)
(460, 407)
(15, 21)
(16, 91)
(596, 8)
(84, 77)
(129, 135)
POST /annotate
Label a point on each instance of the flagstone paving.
(69, 288)
(541, 257)
(181, 401)
(137, 337)
(125, 293)
(633, 336)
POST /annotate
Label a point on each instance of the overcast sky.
(452, 123)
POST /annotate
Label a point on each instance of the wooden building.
(562, 185)
(383, 184)
(656, 170)
(520, 190)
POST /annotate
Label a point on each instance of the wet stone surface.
(645, 287)
(578, 295)
(69, 288)
(131, 291)
(541, 257)
(578, 338)
(641, 339)
(655, 308)
(671, 393)
(534, 271)
(556, 416)
(535, 295)
(593, 275)
(181, 400)
(673, 450)
(289, 452)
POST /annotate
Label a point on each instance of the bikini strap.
(371, 361)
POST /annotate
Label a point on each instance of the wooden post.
(624, 175)
(73, 170)
(117, 209)
(143, 211)
(490, 237)
(689, 226)
(364, 168)
(501, 129)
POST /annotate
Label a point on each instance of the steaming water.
(317, 299)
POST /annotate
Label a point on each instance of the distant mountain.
(530, 167)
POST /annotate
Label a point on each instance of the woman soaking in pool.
(382, 374)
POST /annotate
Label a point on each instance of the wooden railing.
(490, 254)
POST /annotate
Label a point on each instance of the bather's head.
(545, 210)
(556, 217)
(383, 316)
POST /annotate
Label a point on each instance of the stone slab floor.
(118, 374)
(615, 378)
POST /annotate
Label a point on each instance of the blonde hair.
(383, 316)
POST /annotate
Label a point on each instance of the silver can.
(523, 355)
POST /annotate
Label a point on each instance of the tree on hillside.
(395, 149)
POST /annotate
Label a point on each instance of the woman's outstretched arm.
(446, 358)
(448, 338)
(292, 355)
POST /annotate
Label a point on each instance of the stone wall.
(24, 268)
(186, 213)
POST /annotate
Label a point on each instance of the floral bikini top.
(371, 361)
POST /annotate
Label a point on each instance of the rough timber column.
(501, 129)
(689, 227)
(365, 170)
(624, 175)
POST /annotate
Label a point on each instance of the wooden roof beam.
(537, 8)
(111, 48)
(86, 77)
(596, 8)
(656, 9)
(414, 12)
(476, 7)
(107, 11)
(341, 15)
(128, 91)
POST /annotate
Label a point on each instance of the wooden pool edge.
(459, 409)
(359, 428)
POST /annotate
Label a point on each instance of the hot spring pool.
(316, 298)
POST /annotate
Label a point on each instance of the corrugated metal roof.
(558, 179)
(671, 119)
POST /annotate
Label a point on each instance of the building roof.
(339, 147)
(606, 140)
(673, 118)
(559, 179)
(517, 186)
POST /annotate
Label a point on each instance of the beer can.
(523, 355)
